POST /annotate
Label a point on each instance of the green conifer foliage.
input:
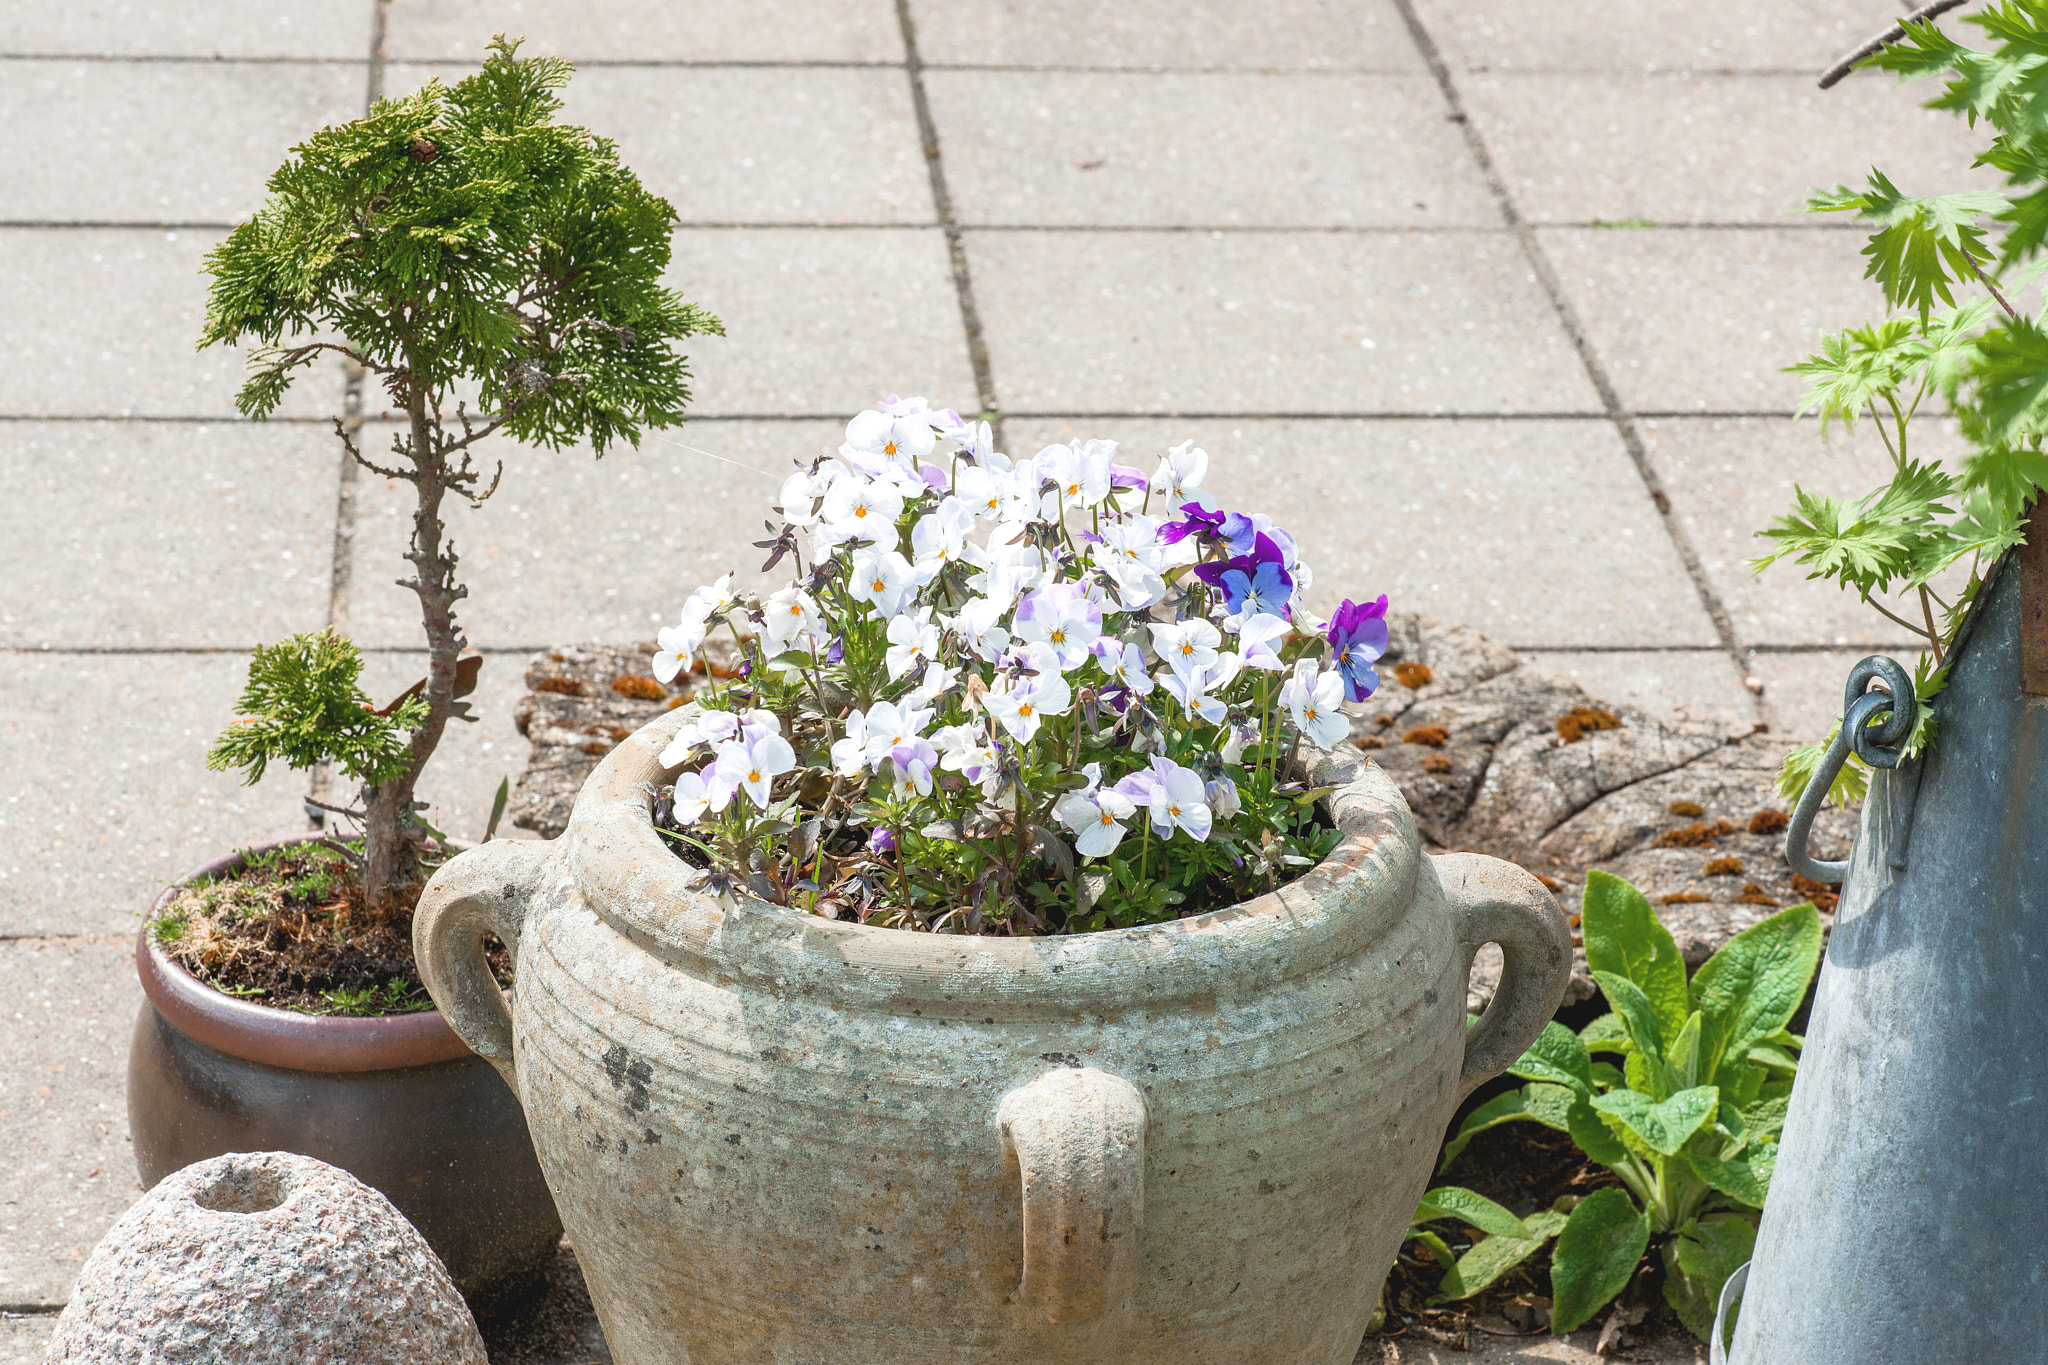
(496, 272)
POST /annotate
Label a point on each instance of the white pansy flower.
(863, 509)
(898, 439)
(940, 537)
(1317, 704)
(1180, 476)
(1186, 645)
(979, 627)
(1023, 704)
(677, 645)
(1079, 473)
(881, 578)
(913, 640)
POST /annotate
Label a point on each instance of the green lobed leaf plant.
(1951, 268)
(458, 240)
(1688, 1121)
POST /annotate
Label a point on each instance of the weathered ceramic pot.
(397, 1101)
(778, 1138)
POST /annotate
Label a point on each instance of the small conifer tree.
(455, 239)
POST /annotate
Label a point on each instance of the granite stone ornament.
(260, 1257)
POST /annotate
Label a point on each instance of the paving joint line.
(1128, 414)
(31, 1310)
(1217, 229)
(1596, 370)
(942, 204)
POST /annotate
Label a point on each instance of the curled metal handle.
(1881, 745)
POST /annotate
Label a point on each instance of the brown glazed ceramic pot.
(784, 1140)
(397, 1101)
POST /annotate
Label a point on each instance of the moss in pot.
(456, 240)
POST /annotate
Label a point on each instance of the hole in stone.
(250, 1190)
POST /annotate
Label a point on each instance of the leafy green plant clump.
(1688, 1121)
(456, 240)
(1952, 268)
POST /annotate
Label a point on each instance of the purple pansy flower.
(1358, 637)
(882, 842)
(1255, 582)
(1193, 519)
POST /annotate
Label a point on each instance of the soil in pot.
(287, 928)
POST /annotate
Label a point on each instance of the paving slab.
(1074, 148)
(1363, 35)
(820, 321)
(102, 322)
(650, 30)
(159, 142)
(1700, 319)
(1688, 147)
(1651, 35)
(165, 534)
(70, 1169)
(104, 792)
(219, 28)
(575, 549)
(751, 144)
(1686, 686)
(23, 1338)
(1728, 478)
(1258, 322)
(1803, 689)
(1485, 523)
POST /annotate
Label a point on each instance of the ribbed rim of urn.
(628, 876)
(275, 1037)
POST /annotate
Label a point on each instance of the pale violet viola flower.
(891, 725)
(979, 628)
(982, 491)
(1223, 798)
(913, 640)
(692, 798)
(850, 754)
(1317, 704)
(1022, 704)
(1078, 472)
(1187, 645)
(676, 646)
(715, 727)
(940, 537)
(1003, 580)
(1179, 477)
(882, 579)
(863, 509)
(902, 438)
(912, 762)
(789, 620)
(933, 683)
(1175, 797)
(1191, 689)
(1235, 737)
(799, 499)
(749, 764)
(1123, 663)
(1258, 638)
(1096, 819)
(965, 750)
(1062, 617)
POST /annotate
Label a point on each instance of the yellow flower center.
(1025, 709)
(889, 448)
(1059, 637)
(860, 511)
(1187, 649)
(1310, 712)
(1174, 811)
(754, 776)
(1073, 489)
(880, 585)
(1108, 819)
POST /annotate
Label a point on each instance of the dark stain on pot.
(1429, 996)
(1061, 1058)
(630, 1073)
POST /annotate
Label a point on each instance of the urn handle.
(1078, 1136)
(1496, 902)
(483, 891)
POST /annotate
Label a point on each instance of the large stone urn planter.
(778, 1138)
(396, 1101)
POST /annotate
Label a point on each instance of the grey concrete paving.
(188, 534)
(1266, 323)
(70, 1169)
(22, 1338)
(1420, 497)
(1263, 227)
(1099, 149)
(104, 791)
(204, 163)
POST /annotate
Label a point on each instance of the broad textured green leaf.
(1645, 1075)
(1606, 1076)
(1557, 1056)
(1496, 1111)
(1495, 1256)
(1596, 1253)
(1466, 1206)
(1764, 1118)
(1699, 1260)
(1773, 1057)
(1754, 984)
(1550, 1104)
(1747, 1179)
(1438, 1249)
(1661, 1125)
(1638, 1015)
(1682, 1057)
(1623, 936)
(1593, 1136)
(1605, 1034)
